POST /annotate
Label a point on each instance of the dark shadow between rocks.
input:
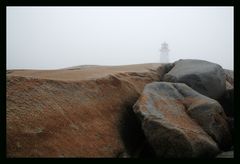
(133, 137)
(227, 103)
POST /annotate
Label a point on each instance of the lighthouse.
(164, 57)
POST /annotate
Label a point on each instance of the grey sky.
(58, 37)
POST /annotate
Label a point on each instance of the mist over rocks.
(90, 112)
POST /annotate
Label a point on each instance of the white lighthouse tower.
(164, 57)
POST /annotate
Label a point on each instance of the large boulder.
(205, 77)
(75, 113)
(179, 122)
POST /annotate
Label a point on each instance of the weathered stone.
(180, 122)
(75, 113)
(229, 74)
(227, 154)
(205, 77)
(164, 69)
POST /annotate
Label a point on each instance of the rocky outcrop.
(87, 111)
(180, 122)
(205, 77)
(74, 116)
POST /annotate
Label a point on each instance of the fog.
(59, 37)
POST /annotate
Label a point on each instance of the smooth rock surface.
(180, 122)
(205, 77)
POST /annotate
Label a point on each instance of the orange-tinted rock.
(70, 113)
(180, 122)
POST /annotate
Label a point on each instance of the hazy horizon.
(61, 37)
